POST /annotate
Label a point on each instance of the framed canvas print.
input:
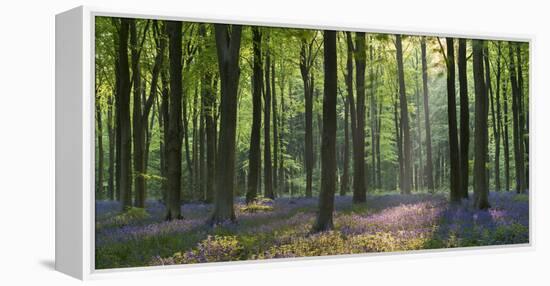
(194, 141)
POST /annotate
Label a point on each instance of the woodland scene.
(225, 142)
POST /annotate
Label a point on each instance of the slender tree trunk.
(481, 189)
(517, 125)
(111, 134)
(464, 118)
(407, 158)
(100, 152)
(305, 55)
(456, 196)
(344, 182)
(378, 153)
(359, 174)
(328, 152)
(228, 43)
(352, 108)
(420, 170)
(268, 167)
(399, 141)
(185, 134)
(275, 131)
(257, 83)
(195, 146)
(505, 136)
(282, 148)
(489, 88)
(123, 94)
(373, 120)
(523, 119)
(138, 136)
(429, 164)
(174, 126)
(498, 121)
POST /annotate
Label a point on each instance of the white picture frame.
(74, 125)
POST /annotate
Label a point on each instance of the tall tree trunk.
(268, 167)
(454, 158)
(398, 139)
(228, 43)
(185, 134)
(197, 179)
(489, 89)
(163, 125)
(373, 120)
(138, 136)
(464, 118)
(505, 136)
(174, 126)
(344, 182)
(100, 152)
(111, 134)
(498, 121)
(429, 164)
(481, 188)
(351, 101)
(282, 149)
(420, 170)
(407, 159)
(275, 131)
(359, 174)
(125, 131)
(257, 84)
(328, 152)
(378, 153)
(517, 124)
(305, 69)
(523, 119)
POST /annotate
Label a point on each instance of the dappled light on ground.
(282, 228)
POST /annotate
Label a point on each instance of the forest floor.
(281, 228)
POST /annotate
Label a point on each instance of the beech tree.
(228, 44)
(328, 149)
(174, 123)
(481, 188)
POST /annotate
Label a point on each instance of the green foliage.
(521, 198)
(212, 249)
(129, 216)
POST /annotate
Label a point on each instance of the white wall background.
(27, 142)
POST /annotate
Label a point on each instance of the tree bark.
(454, 158)
(359, 174)
(351, 102)
(481, 188)
(429, 163)
(505, 136)
(306, 63)
(498, 120)
(407, 159)
(268, 167)
(464, 118)
(111, 136)
(228, 43)
(257, 83)
(523, 119)
(275, 130)
(517, 124)
(123, 94)
(138, 135)
(328, 152)
(174, 126)
(344, 182)
(496, 135)
(100, 152)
